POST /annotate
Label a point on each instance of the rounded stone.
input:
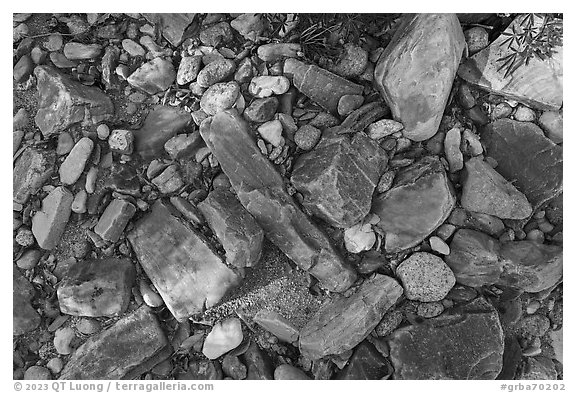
(476, 39)
(429, 310)
(425, 277)
(439, 245)
(352, 63)
(261, 110)
(534, 325)
(307, 137)
(349, 103)
(88, 326)
(37, 373)
(390, 322)
(62, 340)
(552, 124)
(121, 141)
(215, 72)
(29, 259)
(223, 337)
(133, 48)
(150, 297)
(24, 237)
(523, 113)
(65, 144)
(501, 111)
(288, 372)
(103, 131)
(55, 365)
(219, 97)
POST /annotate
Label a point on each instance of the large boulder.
(338, 178)
(63, 102)
(467, 344)
(415, 72)
(420, 200)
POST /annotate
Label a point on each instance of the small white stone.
(103, 131)
(91, 176)
(383, 128)
(523, 113)
(121, 141)
(359, 237)
(439, 245)
(271, 132)
(265, 86)
(224, 337)
(150, 297)
(79, 203)
(62, 339)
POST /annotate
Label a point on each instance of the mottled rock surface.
(32, 169)
(49, 223)
(24, 316)
(425, 277)
(153, 77)
(172, 25)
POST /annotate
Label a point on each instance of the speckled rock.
(35, 373)
(265, 86)
(352, 63)
(261, 110)
(476, 39)
(78, 51)
(307, 136)
(188, 69)
(425, 277)
(217, 34)
(219, 97)
(216, 71)
(31, 170)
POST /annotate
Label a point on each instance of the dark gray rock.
(478, 221)
(24, 316)
(258, 363)
(113, 221)
(202, 370)
(366, 363)
(172, 26)
(32, 169)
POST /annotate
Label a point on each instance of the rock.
(277, 325)
(366, 364)
(349, 103)
(351, 63)
(183, 146)
(534, 325)
(23, 69)
(53, 43)
(538, 84)
(172, 26)
(244, 71)
(307, 136)
(250, 26)
(419, 202)
(202, 370)
(29, 259)
(24, 316)
(526, 156)
(383, 128)
(261, 191)
(223, 337)
(450, 346)
(362, 117)
(258, 363)
(265, 86)
(271, 132)
(552, 124)
(189, 276)
(130, 347)
(439, 245)
(486, 191)
(55, 365)
(501, 111)
(476, 39)
(277, 51)
(169, 181)
(75, 103)
(233, 367)
(537, 368)
(216, 71)
(219, 97)
(452, 150)
(342, 323)
(426, 48)
(153, 77)
(321, 86)
(62, 339)
(150, 297)
(465, 97)
(74, 164)
(37, 373)
(261, 110)
(359, 237)
(425, 277)
(338, 178)
(390, 322)
(288, 372)
(32, 169)
(161, 124)
(133, 48)
(236, 229)
(49, 223)
(78, 51)
(123, 178)
(121, 141)
(103, 132)
(188, 69)
(97, 288)
(88, 326)
(113, 221)
(60, 61)
(478, 221)
(471, 144)
(556, 337)
(523, 113)
(24, 237)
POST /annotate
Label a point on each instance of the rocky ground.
(287, 196)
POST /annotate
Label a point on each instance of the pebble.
(288, 372)
(278, 51)
(103, 131)
(91, 177)
(78, 51)
(532, 351)
(188, 69)
(465, 97)
(223, 337)
(217, 71)
(245, 71)
(218, 34)
(133, 48)
(501, 111)
(383, 128)
(79, 202)
(37, 373)
(219, 97)
(439, 245)
(359, 238)
(429, 310)
(60, 61)
(24, 237)
(532, 307)
(74, 164)
(473, 146)
(121, 141)
(348, 103)
(261, 110)
(476, 39)
(233, 367)
(53, 43)
(535, 235)
(150, 297)
(534, 325)
(250, 26)
(425, 277)
(552, 124)
(65, 144)
(38, 56)
(88, 326)
(523, 113)
(352, 63)
(452, 150)
(545, 226)
(390, 322)
(29, 259)
(307, 137)
(62, 340)
(271, 132)
(265, 86)
(385, 182)
(55, 365)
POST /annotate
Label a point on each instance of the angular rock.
(277, 325)
(172, 26)
(75, 103)
(161, 124)
(127, 349)
(79, 51)
(113, 221)
(420, 200)
(342, 323)
(188, 69)
(97, 288)
(217, 34)
(362, 117)
(49, 223)
(250, 26)
(415, 72)
(465, 345)
(32, 169)
(338, 178)
(261, 191)
(321, 86)
(24, 316)
(169, 181)
(261, 110)
(537, 368)
(478, 221)
(73, 165)
(185, 270)
(538, 84)
(527, 157)
(121, 141)
(223, 337)
(153, 77)
(219, 97)
(215, 72)
(236, 229)
(366, 363)
(183, 145)
(425, 277)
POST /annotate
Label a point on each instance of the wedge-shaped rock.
(32, 169)
(161, 124)
(24, 316)
(418, 203)
(486, 191)
(236, 229)
(338, 178)
(321, 86)
(366, 363)
(343, 322)
(261, 191)
(97, 288)
(63, 102)
(477, 259)
(526, 157)
(129, 348)
(49, 223)
(467, 344)
(172, 26)
(153, 77)
(538, 84)
(416, 70)
(187, 272)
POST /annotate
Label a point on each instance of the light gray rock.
(74, 164)
(49, 223)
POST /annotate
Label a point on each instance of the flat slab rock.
(468, 344)
(478, 259)
(338, 178)
(49, 223)
(261, 191)
(526, 157)
(130, 347)
(415, 72)
(538, 84)
(63, 102)
(420, 200)
(343, 322)
(32, 169)
(97, 288)
(187, 272)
